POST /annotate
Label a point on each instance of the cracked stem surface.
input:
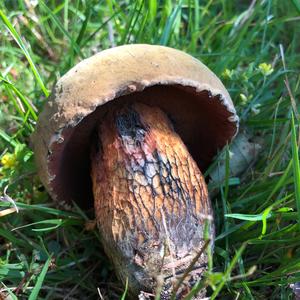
(151, 200)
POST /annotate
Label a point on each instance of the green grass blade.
(20, 43)
(134, 22)
(246, 217)
(152, 8)
(297, 5)
(12, 238)
(91, 36)
(7, 138)
(84, 25)
(296, 166)
(265, 216)
(21, 97)
(125, 292)
(40, 280)
(11, 294)
(60, 26)
(129, 26)
(282, 181)
(227, 173)
(228, 271)
(169, 26)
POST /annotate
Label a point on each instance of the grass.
(48, 253)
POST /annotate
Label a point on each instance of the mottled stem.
(151, 201)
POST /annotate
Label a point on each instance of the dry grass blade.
(189, 269)
(7, 211)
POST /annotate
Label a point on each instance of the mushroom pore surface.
(200, 120)
(151, 200)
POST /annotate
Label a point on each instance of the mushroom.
(128, 130)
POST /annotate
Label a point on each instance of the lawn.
(253, 46)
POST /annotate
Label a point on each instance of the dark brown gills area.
(151, 200)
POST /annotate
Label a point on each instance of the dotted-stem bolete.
(129, 129)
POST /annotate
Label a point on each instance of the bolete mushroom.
(129, 130)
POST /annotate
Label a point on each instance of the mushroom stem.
(151, 200)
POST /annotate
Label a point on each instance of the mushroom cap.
(192, 96)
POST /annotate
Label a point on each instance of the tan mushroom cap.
(192, 96)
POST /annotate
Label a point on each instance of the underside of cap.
(195, 100)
